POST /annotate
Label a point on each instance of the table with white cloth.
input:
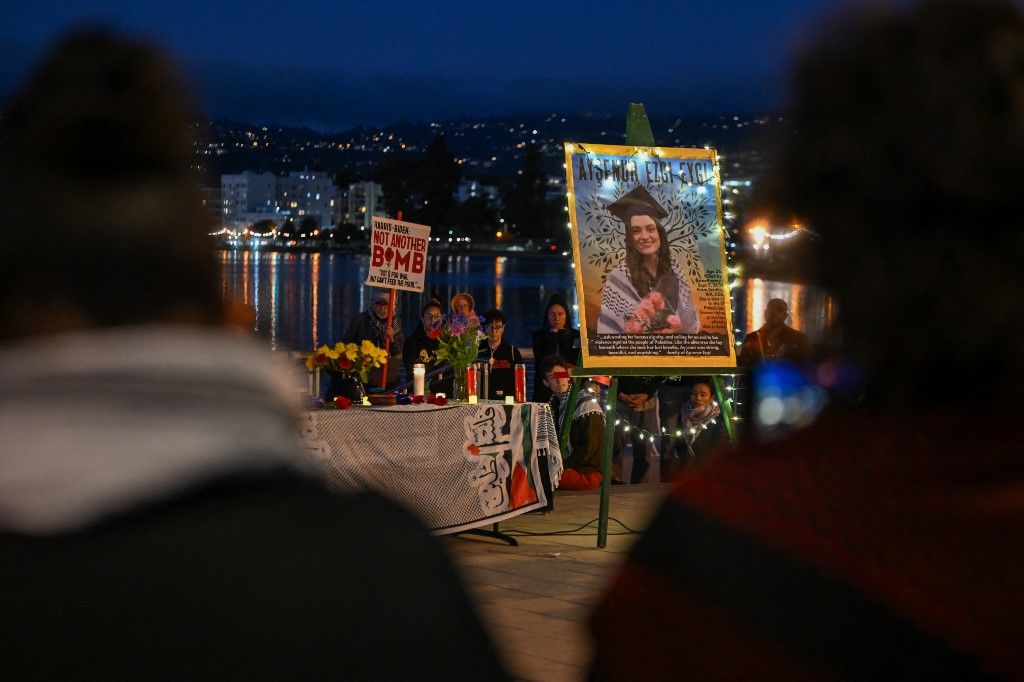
(457, 466)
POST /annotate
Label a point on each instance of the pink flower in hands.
(634, 326)
(646, 310)
(656, 300)
(675, 325)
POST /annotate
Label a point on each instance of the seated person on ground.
(582, 456)
(702, 430)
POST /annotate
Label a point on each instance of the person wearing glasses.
(421, 345)
(372, 325)
(501, 355)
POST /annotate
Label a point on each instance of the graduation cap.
(637, 201)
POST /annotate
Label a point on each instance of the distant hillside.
(488, 148)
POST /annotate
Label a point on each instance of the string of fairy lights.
(625, 427)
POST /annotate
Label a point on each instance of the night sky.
(331, 64)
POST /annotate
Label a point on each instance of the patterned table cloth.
(457, 467)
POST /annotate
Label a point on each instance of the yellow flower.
(367, 348)
(351, 351)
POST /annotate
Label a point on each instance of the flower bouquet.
(349, 366)
(652, 316)
(458, 345)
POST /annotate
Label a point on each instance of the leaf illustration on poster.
(669, 307)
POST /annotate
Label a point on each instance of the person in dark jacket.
(699, 431)
(421, 345)
(555, 337)
(163, 523)
(636, 406)
(775, 340)
(500, 355)
(372, 325)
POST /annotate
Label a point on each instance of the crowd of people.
(164, 525)
(639, 403)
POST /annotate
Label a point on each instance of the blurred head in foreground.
(906, 157)
(95, 151)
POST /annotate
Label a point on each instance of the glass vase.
(347, 385)
(460, 389)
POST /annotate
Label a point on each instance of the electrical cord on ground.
(572, 531)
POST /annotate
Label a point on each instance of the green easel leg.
(606, 464)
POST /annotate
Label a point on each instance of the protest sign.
(398, 254)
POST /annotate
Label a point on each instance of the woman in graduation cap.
(648, 292)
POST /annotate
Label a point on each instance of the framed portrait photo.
(649, 253)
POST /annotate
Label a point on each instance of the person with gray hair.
(882, 541)
(156, 517)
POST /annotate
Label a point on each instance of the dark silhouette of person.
(883, 540)
(157, 519)
(775, 340)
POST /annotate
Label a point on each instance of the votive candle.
(419, 373)
(520, 371)
(471, 381)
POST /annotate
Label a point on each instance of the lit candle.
(473, 400)
(520, 374)
(509, 400)
(419, 373)
(366, 400)
(471, 382)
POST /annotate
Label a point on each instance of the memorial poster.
(649, 253)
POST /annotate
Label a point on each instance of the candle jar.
(471, 382)
(419, 373)
(520, 373)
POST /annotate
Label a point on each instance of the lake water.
(303, 300)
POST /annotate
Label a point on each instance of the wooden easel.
(638, 133)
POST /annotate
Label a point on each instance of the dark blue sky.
(334, 64)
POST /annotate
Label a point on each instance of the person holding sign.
(373, 325)
(648, 293)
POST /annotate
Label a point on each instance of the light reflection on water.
(303, 300)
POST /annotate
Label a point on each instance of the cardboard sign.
(398, 255)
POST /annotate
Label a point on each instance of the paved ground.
(535, 598)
